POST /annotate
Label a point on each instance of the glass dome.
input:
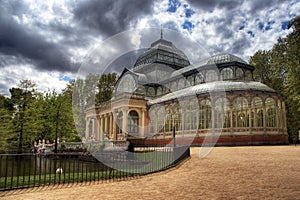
(222, 58)
(164, 52)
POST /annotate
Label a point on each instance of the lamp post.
(173, 115)
(174, 136)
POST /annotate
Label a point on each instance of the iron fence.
(27, 170)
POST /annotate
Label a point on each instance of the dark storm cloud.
(210, 5)
(22, 43)
(111, 17)
(258, 5)
(254, 5)
(240, 45)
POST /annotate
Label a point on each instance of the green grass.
(154, 161)
(37, 180)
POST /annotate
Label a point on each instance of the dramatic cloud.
(111, 17)
(25, 44)
(48, 41)
(212, 4)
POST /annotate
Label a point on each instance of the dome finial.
(161, 32)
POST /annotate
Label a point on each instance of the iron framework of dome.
(164, 52)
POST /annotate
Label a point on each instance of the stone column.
(98, 131)
(87, 122)
(125, 121)
(111, 122)
(95, 131)
(143, 123)
(105, 123)
(98, 135)
(114, 127)
(101, 128)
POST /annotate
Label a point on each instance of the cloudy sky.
(48, 40)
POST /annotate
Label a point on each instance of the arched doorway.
(133, 123)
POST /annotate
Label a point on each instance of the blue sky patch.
(173, 5)
(261, 25)
(241, 27)
(269, 25)
(189, 12)
(285, 25)
(251, 33)
(188, 26)
(64, 78)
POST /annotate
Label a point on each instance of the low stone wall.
(221, 141)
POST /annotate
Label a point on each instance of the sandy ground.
(265, 172)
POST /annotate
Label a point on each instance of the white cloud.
(216, 30)
(12, 75)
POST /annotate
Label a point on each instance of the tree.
(105, 87)
(292, 86)
(21, 97)
(279, 68)
(76, 89)
(6, 110)
(90, 89)
(269, 67)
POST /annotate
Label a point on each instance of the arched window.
(160, 117)
(190, 80)
(240, 110)
(205, 114)
(226, 74)
(151, 91)
(271, 114)
(239, 74)
(199, 78)
(260, 118)
(211, 75)
(133, 123)
(126, 84)
(140, 90)
(222, 113)
(242, 120)
(181, 83)
(271, 117)
(173, 86)
(190, 115)
(173, 117)
(152, 120)
(159, 91)
(257, 106)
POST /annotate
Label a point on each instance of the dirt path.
(271, 172)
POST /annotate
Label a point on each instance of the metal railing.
(27, 170)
